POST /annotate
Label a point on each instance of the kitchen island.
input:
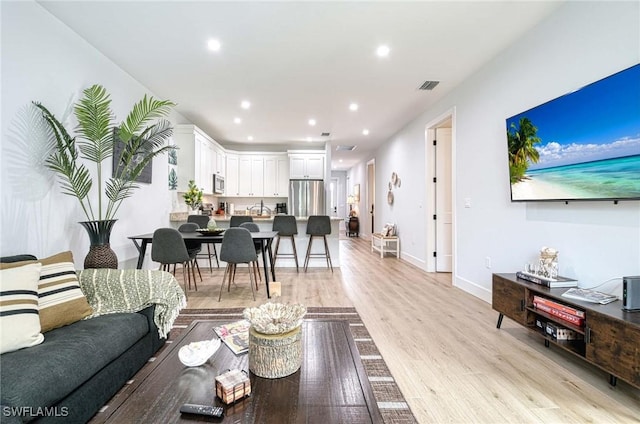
(302, 240)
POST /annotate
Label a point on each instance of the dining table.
(264, 237)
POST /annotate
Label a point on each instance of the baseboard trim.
(472, 288)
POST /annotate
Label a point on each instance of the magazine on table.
(235, 335)
(588, 295)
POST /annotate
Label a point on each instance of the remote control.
(210, 411)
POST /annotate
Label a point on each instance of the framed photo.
(356, 192)
(118, 147)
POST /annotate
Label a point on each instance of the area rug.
(392, 404)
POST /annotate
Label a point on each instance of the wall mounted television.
(584, 145)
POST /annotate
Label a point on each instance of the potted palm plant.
(94, 143)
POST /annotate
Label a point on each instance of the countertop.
(227, 218)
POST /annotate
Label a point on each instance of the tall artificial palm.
(96, 135)
(522, 140)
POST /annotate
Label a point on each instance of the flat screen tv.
(584, 145)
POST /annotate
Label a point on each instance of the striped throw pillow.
(60, 298)
(19, 321)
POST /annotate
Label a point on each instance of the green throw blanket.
(131, 290)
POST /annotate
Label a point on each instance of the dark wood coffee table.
(330, 387)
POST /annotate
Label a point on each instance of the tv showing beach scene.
(584, 145)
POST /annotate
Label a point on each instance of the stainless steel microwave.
(218, 184)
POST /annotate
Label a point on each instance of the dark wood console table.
(353, 226)
(330, 387)
(610, 336)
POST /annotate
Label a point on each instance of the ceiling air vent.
(345, 148)
(429, 85)
(325, 134)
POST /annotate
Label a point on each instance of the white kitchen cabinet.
(196, 156)
(276, 176)
(231, 179)
(250, 175)
(307, 166)
(219, 162)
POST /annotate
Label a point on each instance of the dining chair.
(253, 228)
(318, 226)
(287, 227)
(168, 248)
(237, 247)
(203, 222)
(193, 248)
(236, 220)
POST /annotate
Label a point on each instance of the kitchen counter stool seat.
(203, 222)
(318, 226)
(287, 227)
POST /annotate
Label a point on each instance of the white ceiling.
(300, 60)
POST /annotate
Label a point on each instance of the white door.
(444, 228)
(333, 196)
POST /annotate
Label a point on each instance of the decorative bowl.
(197, 353)
(275, 318)
(210, 231)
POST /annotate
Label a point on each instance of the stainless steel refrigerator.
(306, 197)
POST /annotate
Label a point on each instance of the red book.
(558, 306)
(562, 315)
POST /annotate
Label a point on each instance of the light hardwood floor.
(442, 346)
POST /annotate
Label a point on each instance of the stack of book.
(547, 282)
(564, 312)
(235, 335)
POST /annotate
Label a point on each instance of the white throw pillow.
(19, 318)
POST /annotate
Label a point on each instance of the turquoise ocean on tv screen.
(608, 178)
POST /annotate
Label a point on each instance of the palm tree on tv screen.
(521, 140)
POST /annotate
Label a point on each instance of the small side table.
(384, 244)
(353, 226)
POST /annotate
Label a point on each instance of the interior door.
(444, 215)
(333, 196)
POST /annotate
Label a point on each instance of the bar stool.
(203, 222)
(236, 220)
(286, 226)
(318, 226)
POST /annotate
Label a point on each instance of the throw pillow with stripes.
(60, 298)
(19, 319)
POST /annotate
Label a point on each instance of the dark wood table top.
(330, 387)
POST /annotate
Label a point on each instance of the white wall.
(43, 60)
(580, 43)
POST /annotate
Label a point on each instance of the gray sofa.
(77, 368)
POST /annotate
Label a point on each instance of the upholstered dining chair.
(253, 228)
(193, 247)
(287, 227)
(236, 220)
(168, 248)
(203, 222)
(318, 226)
(237, 248)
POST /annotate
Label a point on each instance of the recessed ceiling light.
(365, 132)
(250, 138)
(214, 45)
(353, 106)
(312, 122)
(237, 120)
(340, 161)
(245, 104)
(309, 139)
(383, 50)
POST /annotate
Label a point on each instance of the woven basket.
(275, 355)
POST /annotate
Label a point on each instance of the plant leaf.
(95, 125)
(145, 110)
